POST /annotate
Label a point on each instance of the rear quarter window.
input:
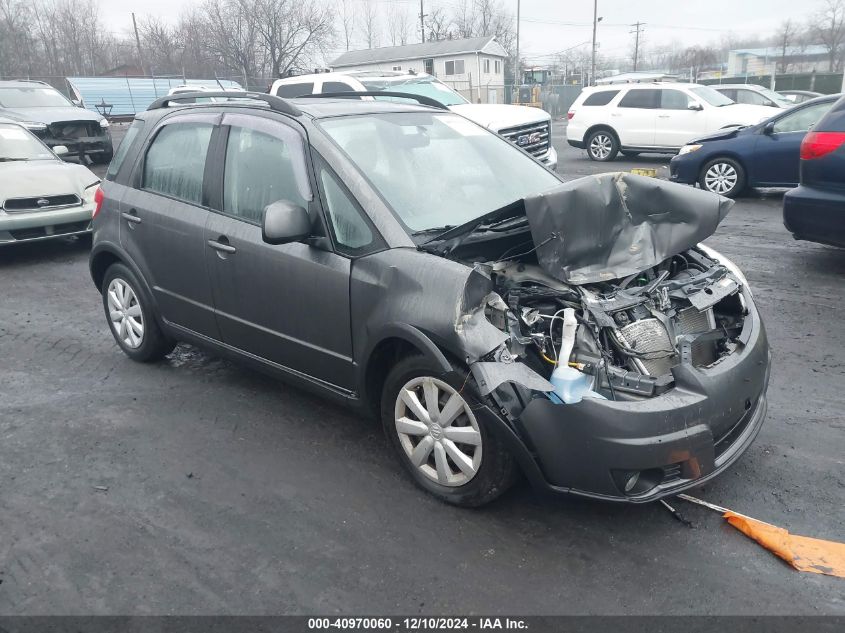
(600, 98)
(123, 148)
(295, 90)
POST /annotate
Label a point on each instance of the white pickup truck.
(526, 127)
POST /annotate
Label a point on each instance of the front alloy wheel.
(434, 422)
(438, 431)
(723, 176)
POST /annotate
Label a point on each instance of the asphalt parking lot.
(197, 486)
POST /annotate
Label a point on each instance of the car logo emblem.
(522, 140)
(42, 202)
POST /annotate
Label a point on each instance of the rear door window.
(175, 162)
(295, 90)
(642, 98)
(600, 98)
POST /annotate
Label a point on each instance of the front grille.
(49, 231)
(41, 203)
(534, 138)
(74, 129)
(671, 473)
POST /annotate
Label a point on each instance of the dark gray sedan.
(401, 259)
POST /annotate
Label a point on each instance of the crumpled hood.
(43, 178)
(749, 114)
(500, 116)
(613, 225)
(50, 115)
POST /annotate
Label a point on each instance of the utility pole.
(593, 61)
(517, 80)
(138, 43)
(638, 26)
(422, 22)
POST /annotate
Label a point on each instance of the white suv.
(654, 117)
(528, 128)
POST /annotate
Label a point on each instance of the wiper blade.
(514, 210)
(434, 229)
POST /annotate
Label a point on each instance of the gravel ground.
(197, 486)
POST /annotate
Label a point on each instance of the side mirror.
(695, 106)
(285, 222)
(60, 150)
(769, 128)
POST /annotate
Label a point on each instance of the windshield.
(437, 170)
(32, 98)
(711, 96)
(18, 144)
(425, 86)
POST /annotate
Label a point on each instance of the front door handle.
(131, 217)
(222, 247)
(663, 116)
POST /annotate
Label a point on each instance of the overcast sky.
(553, 25)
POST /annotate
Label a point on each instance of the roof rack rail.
(422, 100)
(276, 104)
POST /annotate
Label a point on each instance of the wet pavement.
(198, 486)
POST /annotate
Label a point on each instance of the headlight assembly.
(104, 123)
(88, 193)
(686, 149)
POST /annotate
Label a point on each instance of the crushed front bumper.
(671, 442)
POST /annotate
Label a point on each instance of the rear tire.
(461, 462)
(723, 176)
(130, 316)
(602, 146)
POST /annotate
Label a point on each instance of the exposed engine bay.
(688, 309)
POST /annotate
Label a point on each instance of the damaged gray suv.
(403, 260)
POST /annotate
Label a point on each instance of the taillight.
(570, 114)
(98, 201)
(818, 144)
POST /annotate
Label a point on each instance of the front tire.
(130, 317)
(445, 448)
(602, 146)
(724, 176)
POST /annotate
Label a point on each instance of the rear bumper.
(574, 143)
(42, 225)
(817, 215)
(674, 441)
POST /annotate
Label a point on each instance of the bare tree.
(828, 27)
(437, 24)
(369, 23)
(695, 58)
(784, 38)
(346, 15)
(291, 33)
(398, 24)
(161, 44)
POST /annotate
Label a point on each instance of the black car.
(55, 120)
(407, 262)
(762, 155)
(815, 210)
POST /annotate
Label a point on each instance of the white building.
(475, 67)
(765, 61)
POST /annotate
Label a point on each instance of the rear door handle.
(132, 217)
(220, 246)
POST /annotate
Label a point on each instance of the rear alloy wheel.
(602, 146)
(130, 317)
(430, 421)
(723, 176)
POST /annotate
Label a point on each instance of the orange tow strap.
(802, 552)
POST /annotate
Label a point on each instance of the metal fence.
(825, 83)
(554, 99)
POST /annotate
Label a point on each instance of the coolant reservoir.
(570, 385)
